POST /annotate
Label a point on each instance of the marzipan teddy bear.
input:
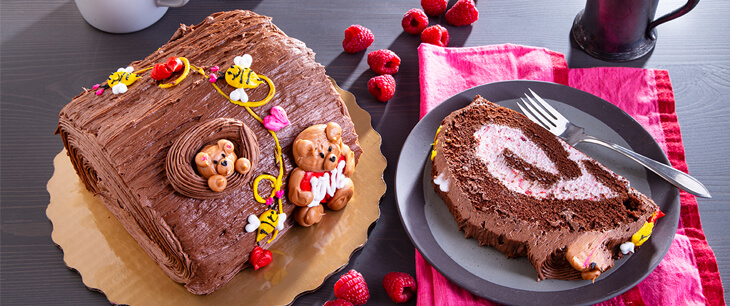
(216, 162)
(325, 165)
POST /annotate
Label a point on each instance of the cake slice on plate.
(514, 186)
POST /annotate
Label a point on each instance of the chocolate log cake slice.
(514, 186)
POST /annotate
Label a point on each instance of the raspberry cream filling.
(493, 139)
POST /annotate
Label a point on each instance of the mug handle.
(171, 3)
(671, 16)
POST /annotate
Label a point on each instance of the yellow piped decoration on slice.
(643, 234)
(435, 142)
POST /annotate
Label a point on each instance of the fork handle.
(678, 178)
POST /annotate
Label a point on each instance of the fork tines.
(539, 111)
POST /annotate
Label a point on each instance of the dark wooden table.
(48, 53)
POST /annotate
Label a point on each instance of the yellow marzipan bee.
(267, 223)
(122, 78)
(241, 77)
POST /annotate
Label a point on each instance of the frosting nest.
(180, 167)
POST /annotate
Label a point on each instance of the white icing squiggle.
(493, 139)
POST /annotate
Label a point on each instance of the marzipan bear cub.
(325, 165)
(217, 161)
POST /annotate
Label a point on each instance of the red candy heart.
(259, 257)
(174, 63)
(160, 72)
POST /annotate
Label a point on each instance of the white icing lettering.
(327, 184)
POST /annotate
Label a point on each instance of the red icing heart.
(259, 257)
(174, 63)
(160, 72)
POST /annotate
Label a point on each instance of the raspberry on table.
(383, 61)
(357, 38)
(462, 13)
(414, 21)
(352, 287)
(399, 286)
(434, 7)
(382, 87)
(436, 35)
(338, 302)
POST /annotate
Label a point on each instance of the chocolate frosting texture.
(518, 224)
(118, 144)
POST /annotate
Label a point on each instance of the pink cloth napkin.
(688, 275)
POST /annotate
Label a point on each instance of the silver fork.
(545, 115)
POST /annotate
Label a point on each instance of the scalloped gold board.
(96, 245)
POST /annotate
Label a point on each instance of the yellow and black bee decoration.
(269, 222)
(120, 79)
(242, 77)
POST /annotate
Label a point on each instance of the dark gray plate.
(485, 271)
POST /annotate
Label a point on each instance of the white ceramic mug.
(124, 16)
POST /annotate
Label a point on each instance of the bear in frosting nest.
(216, 162)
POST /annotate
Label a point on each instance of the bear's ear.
(304, 147)
(333, 132)
(225, 145)
(202, 159)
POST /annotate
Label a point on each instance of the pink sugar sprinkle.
(213, 78)
(96, 86)
(214, 69)
(269, 201)
(280, 193)
(100, 91)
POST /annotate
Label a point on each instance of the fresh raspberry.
(383, 61)
(338, 302)
(414, 21)
(462, 13)
(436, 35)
(357, 38)
(382, 87)
(434, 7)
(399, 286)
(352, 287)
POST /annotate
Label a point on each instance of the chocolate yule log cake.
(514, 186)
(191, 147)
